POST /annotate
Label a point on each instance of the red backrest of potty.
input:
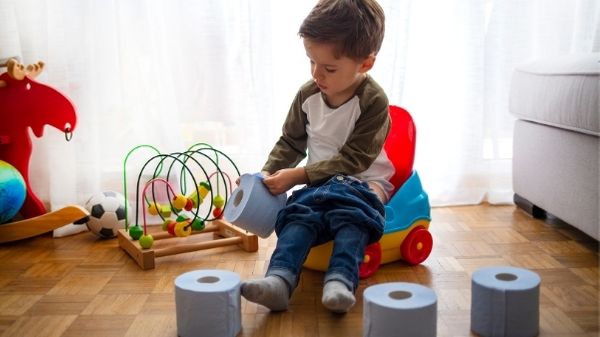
(25, 104)
(400, 144)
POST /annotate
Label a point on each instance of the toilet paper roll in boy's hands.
(252, 207)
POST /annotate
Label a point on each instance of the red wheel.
(417, 246)
(371, 261)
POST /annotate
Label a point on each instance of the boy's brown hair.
(355, 26)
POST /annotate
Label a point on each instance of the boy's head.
(354, 27)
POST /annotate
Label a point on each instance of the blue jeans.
(342, 209)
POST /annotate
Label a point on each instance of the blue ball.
(12, 191)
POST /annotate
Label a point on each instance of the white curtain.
(174, 73)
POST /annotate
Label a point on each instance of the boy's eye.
(330, 70)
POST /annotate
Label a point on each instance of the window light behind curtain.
(175, 73)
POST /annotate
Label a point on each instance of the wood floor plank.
(153, 325)
(6, 322)
(77, 283)
(17, 304)
(589, 275)
(35, 326)
(60, 305)
(100, 326)
(122, 304)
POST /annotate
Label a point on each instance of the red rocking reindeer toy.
(24, 104)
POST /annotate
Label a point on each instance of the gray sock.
(337, 297)
(271, 291)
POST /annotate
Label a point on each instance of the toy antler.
(18, 71)
(33, 70)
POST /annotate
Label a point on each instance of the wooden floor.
(82, 286)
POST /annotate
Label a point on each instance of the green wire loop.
(125, 178)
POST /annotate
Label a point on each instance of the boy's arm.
(362, 147)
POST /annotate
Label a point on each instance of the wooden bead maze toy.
(185, 218)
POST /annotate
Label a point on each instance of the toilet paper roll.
(505, 302)
(399, 309)
(208, 303)
(252, 207)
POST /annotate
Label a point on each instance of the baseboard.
(529, 207)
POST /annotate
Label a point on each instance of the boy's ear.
(367, 63)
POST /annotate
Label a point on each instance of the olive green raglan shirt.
(363, 120)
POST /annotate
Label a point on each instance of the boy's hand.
(282, 180)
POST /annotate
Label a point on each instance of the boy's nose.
(317, 74)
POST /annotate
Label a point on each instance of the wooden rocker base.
(224, 234)
(41, 224)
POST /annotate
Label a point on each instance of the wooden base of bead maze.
(224, 234)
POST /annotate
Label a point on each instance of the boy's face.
(339, 77)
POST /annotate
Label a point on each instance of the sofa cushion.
(560, 91)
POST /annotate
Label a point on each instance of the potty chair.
(406, 233)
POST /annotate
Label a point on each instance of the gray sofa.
(556, 139)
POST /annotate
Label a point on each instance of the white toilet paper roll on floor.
(208, 303)
(399, 309)
(252, 207)
(505, 302)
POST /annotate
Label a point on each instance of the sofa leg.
(529, 207)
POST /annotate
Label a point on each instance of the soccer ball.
(107, 214)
